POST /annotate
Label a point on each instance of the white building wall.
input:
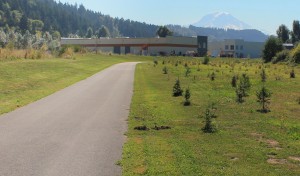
(240, 48)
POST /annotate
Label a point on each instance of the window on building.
(226, 47)
(204, 45)
(237, 47)
(231, 47)
(242, 47)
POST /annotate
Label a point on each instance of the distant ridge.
(217, 34)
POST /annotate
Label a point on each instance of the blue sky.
(264, 15)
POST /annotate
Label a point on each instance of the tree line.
(285, 46)
(48, 15)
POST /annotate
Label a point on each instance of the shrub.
(67, 52)
(263, 97)
(206, 60)
(177, 91)
(187, 97)
(295, 54)
(281, 56)
(77, 48)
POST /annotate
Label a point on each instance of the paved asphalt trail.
(77, 131)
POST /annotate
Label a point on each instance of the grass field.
(247, 142)
(23, 81)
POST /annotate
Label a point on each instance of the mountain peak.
(217, 14)
(222, 20)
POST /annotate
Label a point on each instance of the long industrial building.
(145, 46)
(196, 46)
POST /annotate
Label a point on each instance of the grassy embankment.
(247, 142)
(25, 80)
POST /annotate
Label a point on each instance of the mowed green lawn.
(247, 142)
(25, 81)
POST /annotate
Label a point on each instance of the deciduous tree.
(103, 32)
(272, 46)
(163, 31)
(296, 31)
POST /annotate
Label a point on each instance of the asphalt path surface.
(78, 131)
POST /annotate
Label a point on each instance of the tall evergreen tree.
(283, 33)
(296, 31)
(24, 24)
(89, 33)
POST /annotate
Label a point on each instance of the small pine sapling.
(263, 75)
(165, 70)
(209, 127)
(187, 71)
(234, 81)
(187, 97)
(213, 76)
(239, 95)
(198, 69)
(263, 97)
(245, 85)
(206, 60)
(292, 74)
(155, 63)
(177, 91)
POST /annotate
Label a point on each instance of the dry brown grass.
(8, 54)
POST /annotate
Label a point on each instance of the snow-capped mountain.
(222, 20)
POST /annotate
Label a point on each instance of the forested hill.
(74, 20)
(48, 15)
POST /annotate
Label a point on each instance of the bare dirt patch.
(138, 140)
(294, 158)
(140, 170)
(258, 136)
(273, 144)
(270, 142)
(276, 161)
